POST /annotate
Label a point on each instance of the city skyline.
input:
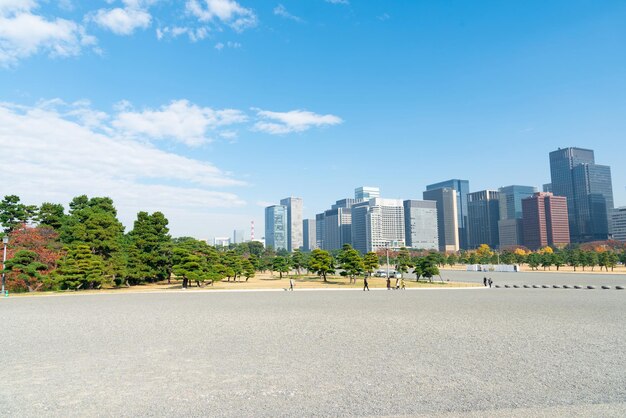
(207, 111)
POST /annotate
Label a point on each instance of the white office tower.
(378, 223)
(295, 239)
(239, 236)
(366, 193)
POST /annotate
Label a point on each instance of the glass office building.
(276, 227)
(462, 190)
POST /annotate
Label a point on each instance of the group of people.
(487, 282)
(399, 284)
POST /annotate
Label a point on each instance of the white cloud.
(226, 11)
(123, 21)
(281, 11)
(180, 120)
(23, 33)
(55, 156)
(293, 121)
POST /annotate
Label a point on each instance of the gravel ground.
(540, 278)
(476, 352)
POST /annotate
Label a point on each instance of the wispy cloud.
(56, 154)
(24, 33)
(180, 121)
(292, 121)
(228, 12)
(123, 21)
(281, 11)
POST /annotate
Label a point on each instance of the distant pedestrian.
(490, 282)
(366, 284)
(388, 283)
(402, 284)
(397, 283)
(485, 281)
(291, 284)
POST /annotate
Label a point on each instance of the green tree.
(321, 262)
(26, 270)
(280, 265)
(351, 262)
(558, 260)
(248, 269)
(546, 260)
(370, 263)
(298, 260)
(452, 259)
(403, 261)
(534, 260)
(14, 213)
(573, 258)
(79, 268)
(51, 215)
(149, 248)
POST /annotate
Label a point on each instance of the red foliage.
(42, 241)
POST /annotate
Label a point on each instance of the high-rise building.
(319, 230)
(483, 216)
(309, 234)
(294, 222)
(366, 192)
(618, 223)
(276, 227)
(462, 189)
(420, 224)
(239, 236)
(593, 197)
(547, 187)
(510, 223)
(588, 190)
(447, 217)
(545, 221)
(378, 223)
(337, 228)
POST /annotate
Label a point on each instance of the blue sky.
(209, 109)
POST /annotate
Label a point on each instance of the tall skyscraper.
(337, 228)
(319, 230)
(510, 223)
(447, 217)
(420, 224)
(483, 216)
(366, 192)
(378, 223)
(276, 227)
(588, 190)
(309, 234)
(294, 222)
(593, 197)
(545, 221)
(462, 189)
(618, 222)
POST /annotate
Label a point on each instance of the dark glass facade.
(588, 189)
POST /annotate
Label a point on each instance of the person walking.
(397, 283)
(388, 283)
(485, 281)
(402, 284)
(291, 284)
(490, 282)
(366, 285)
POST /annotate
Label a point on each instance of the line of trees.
(87, 248)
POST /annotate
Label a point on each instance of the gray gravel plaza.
(472, 352)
